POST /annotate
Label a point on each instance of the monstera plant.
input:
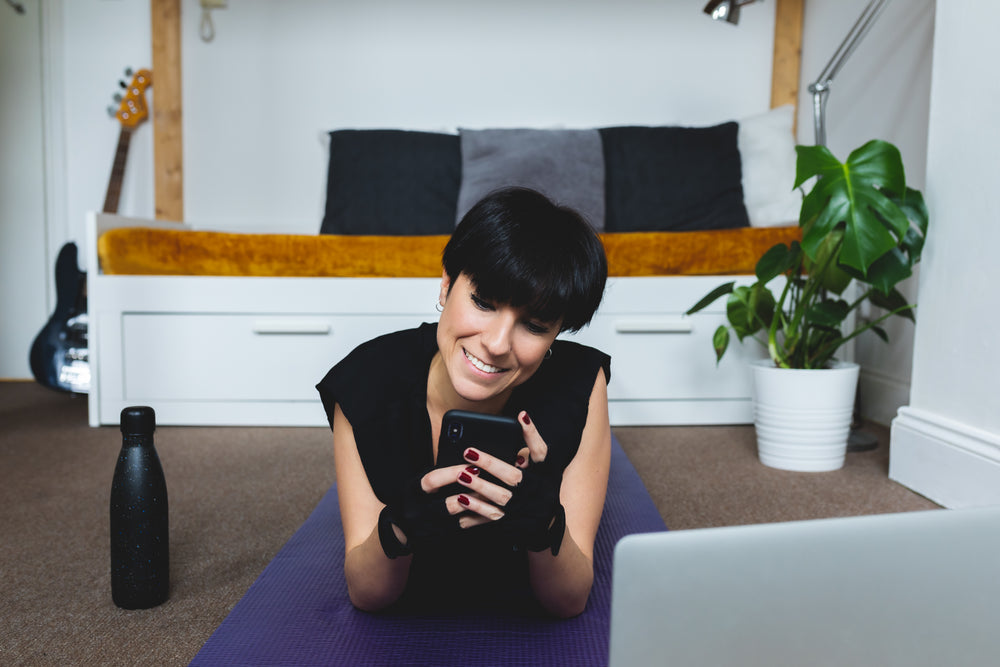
(860, 222)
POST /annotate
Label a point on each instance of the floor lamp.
(729, 11)
(859, 440)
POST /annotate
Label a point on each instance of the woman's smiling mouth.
(480, 364)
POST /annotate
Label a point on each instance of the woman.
(517, 271)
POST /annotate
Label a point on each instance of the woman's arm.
(562, 583)
(374, 581)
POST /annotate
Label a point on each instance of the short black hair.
(519, 248)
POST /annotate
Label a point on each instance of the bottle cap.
(138, 420)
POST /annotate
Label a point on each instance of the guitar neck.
(117, 172)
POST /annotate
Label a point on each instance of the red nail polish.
(472, 454)
(465, 477)
(520, 460)
(526, 419)
(464, 500)
(472, 470)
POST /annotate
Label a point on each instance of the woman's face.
(488, 348)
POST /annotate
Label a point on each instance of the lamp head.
(726, 10)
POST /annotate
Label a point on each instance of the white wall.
(24, 276)
(278, 75)
(946, 443)
(882, 91)
(259, 98)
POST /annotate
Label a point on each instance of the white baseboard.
(881, 396)
(953, 464)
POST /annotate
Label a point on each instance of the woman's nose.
(497, 336)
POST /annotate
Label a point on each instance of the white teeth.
(480, 364)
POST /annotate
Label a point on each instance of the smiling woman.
(517, 271)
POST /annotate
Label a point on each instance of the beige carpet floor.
(237, 494)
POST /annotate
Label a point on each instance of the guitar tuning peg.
(123, 84)
(117, 97)
(111, 111)
(128, 71)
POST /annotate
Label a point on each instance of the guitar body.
(58, 357)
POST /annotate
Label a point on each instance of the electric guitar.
(59, 358)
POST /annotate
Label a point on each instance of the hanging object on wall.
(16, 6)
(207, 27)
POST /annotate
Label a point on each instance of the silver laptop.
(918, 588)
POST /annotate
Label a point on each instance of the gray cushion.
(565, 165)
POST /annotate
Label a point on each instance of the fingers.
(536, 446)
(522, 458)
(502, 470)
(437, 479)
(478, 510)
(498, 495)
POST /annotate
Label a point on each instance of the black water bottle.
(140, 563)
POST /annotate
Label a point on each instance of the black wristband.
(391, 545)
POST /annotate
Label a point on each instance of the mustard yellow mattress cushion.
(170, 252)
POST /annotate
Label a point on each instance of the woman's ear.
(445, 288)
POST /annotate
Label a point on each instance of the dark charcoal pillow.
(392, 182)
(672, 178)
(565, 165)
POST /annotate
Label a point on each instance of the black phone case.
(501, 437)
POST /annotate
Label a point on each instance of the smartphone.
(501, 437)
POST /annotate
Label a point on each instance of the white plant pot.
(803, 417)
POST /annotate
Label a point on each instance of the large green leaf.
(894, 301)
(750, 309)
(828, 314)
(831, 277)
(776, 261)
(854, 196)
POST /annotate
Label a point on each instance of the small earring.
(438, 307)
(548, 353)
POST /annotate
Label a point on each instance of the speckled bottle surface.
(140, 562)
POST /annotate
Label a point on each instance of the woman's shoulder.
(567, 375)
(378, 368)
(570, 358)
(388, 350)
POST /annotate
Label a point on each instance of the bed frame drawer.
(669, 357)
(207, 357)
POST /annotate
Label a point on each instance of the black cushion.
(672, 178)
(392, 182)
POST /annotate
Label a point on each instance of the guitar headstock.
(132, 109)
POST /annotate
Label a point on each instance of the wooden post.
(787, 54)
(168, 105)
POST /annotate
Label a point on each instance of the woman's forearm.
(562, 583)
(374, 581)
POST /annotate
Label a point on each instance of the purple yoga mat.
(298, 612)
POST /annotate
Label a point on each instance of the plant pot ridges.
(803, 417)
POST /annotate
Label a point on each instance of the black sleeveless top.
(381, 388)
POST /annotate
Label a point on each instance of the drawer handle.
(654, 326)
(290, 327)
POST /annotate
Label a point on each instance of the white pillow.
(767, 153)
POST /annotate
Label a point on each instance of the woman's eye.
(537, 328)
(481, 304)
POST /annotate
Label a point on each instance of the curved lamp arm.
(820, 88)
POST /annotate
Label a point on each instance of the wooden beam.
(168, 106)
(787, 53)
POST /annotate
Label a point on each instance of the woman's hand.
(534, 518)
(425, 511)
